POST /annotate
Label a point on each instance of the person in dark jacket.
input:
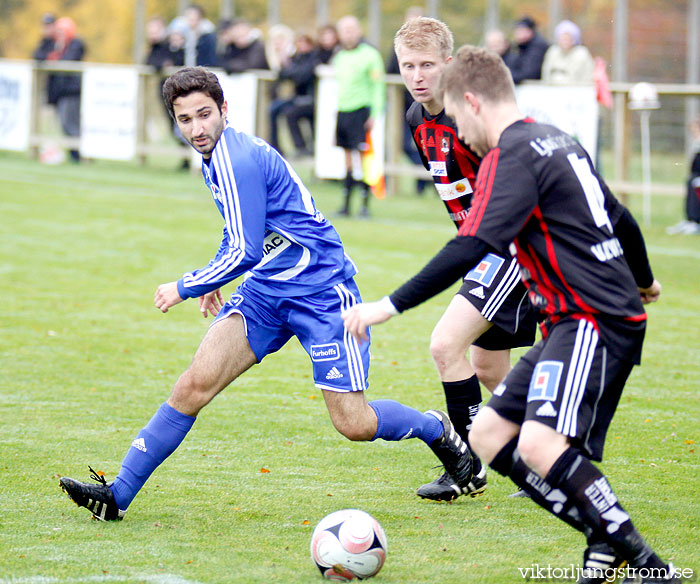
(163, 51)
(48, 37)
(243, 49)
(301, 72)
(526, 63)
(64, 88)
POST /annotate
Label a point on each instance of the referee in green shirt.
(359, 70)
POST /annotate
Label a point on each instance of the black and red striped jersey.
(538, 191)
(450, 162)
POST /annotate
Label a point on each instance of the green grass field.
(85, 359)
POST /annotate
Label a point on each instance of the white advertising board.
(15, 101)
(108, 113)
(573, 109)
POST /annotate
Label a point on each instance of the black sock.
(463, 399)
(590, 492)
(508, 463)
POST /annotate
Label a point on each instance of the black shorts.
(495, 288)
(350, 130)
(570, 382)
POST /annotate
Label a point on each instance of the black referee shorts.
(350, 129)
(570, 382)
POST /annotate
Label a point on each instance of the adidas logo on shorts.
(546, 410)
(478, 292)
(334, 374)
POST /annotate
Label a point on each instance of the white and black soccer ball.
(348, 544)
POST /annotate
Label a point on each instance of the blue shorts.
(339, 363)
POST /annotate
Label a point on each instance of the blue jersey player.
(299, 283)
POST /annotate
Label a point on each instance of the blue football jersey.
(272, 229)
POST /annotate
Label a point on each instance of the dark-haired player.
(299, 282)
(584, 262)
(490, 314)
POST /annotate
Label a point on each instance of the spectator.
(64, 88)
(200, 36)
(48, 37)
(567, 61)
(164, 51)
(300, 71)
(497, 41)
(691, 224)
(243, 49)
(361, 96)
(279, 47)
(531, 47)
(328, 44)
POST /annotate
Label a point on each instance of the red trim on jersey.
(637, 317)
(482, 193)
(529, 120)
(551, 255)
(555, 299)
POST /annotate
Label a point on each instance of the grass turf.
(86, 359)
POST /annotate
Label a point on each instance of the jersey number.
(592, 190)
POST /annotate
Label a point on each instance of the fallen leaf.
(647, 420)
(312, 397)
(306, 522)
(264, 470)
(689, 441)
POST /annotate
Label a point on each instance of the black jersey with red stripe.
(538, 191)
(451, 163)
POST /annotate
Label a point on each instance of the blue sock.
(396, 421)
(158, 440)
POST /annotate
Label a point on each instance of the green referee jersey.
(360, 75)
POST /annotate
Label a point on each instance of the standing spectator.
(531, 47)
(163, 52)
(300, 70)
(361, 96)
(567, 61)
(200, 36)
(48, 37)
(328, 44)
(691, 224)
(243, 48)
(64, 88)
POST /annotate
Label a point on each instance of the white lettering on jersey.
(453, 190)
(608, 249)
(273, 245)
(547, 146)
(591, 188)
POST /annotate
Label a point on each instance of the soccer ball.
(348, 544)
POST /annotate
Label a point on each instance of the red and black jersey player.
(584, 261)
(490, 313)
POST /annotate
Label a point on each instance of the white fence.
(119, 101)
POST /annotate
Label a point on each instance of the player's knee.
(443, 351)
(480, 436)
(193, 391)
(533, 453)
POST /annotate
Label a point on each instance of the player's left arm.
(449, 265)
(495, 218)
(630, 237)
